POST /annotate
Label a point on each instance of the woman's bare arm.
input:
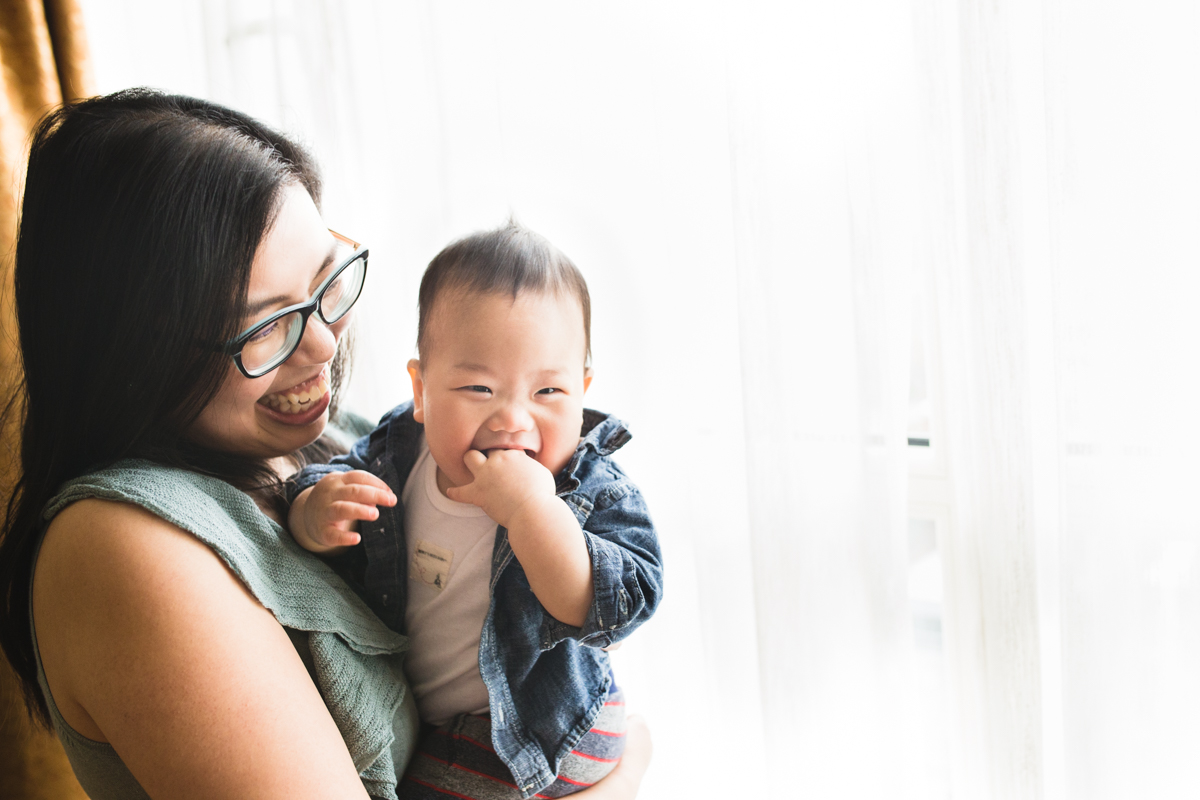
(150, 643)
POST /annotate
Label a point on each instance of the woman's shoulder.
(94, 524)
(219, 515)
(127, 527)
(105, 571)
(99, 551)
(142, 549)
(97, 548)
(136, 497)
(148, 639)
(303, 592)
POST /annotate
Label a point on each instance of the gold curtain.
(43, 62)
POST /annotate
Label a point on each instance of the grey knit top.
(355, 660)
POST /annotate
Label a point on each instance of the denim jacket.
(546, 680)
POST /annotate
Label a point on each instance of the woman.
(157, 615)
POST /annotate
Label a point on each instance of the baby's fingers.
(340, 521)
(344, 511)
(462, 494)
(334, 536)
(473, 460)
(365, 488)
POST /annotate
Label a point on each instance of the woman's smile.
(301, 398)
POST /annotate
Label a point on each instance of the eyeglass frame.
(234, 346)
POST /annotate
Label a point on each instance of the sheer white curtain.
(822, 141)
(767, 199)
(1061, 172)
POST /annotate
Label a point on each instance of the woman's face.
(287, 408)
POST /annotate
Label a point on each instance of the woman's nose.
(511, 417)
(319, 342)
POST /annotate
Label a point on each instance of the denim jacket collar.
(604, 434)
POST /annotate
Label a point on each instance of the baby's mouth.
(527, 451)
(300, 397)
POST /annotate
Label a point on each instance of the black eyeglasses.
(269, 342)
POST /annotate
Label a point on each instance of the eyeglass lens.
(343, 291)
(272, 345)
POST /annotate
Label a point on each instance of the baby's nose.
(511, 418)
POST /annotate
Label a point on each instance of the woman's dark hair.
(141, 216)
(507, 260)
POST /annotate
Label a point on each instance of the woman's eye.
(258, 336)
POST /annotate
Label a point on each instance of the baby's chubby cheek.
(556, 462)
(450, 457)
(456, 469)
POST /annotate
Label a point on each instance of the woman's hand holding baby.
(324, 519)
(519, 493)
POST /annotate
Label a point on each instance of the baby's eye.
(550, 390)
(482, 389)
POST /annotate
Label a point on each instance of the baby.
(517, 549)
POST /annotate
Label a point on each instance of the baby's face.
(501, 374)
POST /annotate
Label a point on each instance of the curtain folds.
(824, 245)
(44, 59)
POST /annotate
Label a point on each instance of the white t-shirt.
(449, 566)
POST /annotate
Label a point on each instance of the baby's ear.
(418, 386)
(587, 378)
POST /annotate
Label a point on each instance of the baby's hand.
(324, 518)
(507, 482)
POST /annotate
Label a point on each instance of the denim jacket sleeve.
(627, 571)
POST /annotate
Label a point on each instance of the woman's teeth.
(295, 402)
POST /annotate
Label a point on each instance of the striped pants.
(457, 759)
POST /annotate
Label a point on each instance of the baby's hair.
(507, 260)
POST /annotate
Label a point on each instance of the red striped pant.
(456, 760)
